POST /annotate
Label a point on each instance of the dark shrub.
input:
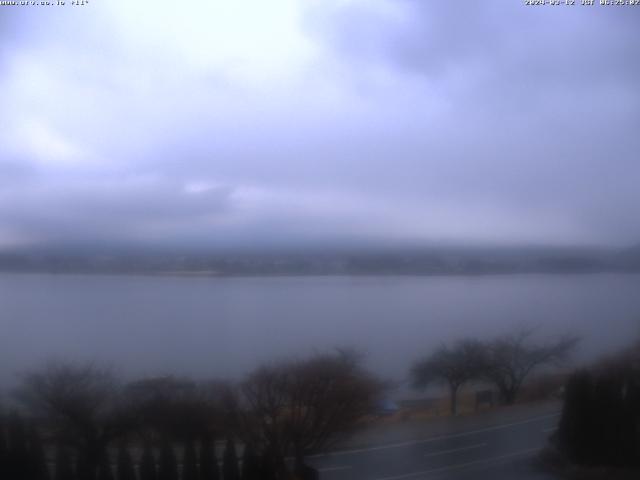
(124, 469)
(104, 468)
(85, 469)
(230, 462)
(168, 469)
(18, 461)
(3, 448)
(148, 464)
(209, 469)
(576, 427)
(601, 417)
(250, 464)
(38, 462)
(189, 462)
(63, 465)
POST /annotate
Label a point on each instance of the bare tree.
(177, 407)
(301, 407)
(260, 406)
(329, 395)
(80, 405)
(513, 357)
(453, 366)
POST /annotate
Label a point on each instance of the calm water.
(224, 327)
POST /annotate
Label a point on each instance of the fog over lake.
(223, 327)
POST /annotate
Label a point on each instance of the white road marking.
(461, 449)
(434, 439)
(333, 469)
(461, 465)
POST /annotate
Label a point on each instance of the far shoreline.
(220, 275)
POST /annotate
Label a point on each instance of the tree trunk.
(299, 459)
(303, 471)
(454, 399)
(509, 395)
(274, 466)
(509, 398)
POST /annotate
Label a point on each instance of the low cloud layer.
(241, 123)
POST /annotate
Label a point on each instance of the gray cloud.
(14, 172)
(540, 104)
(395, 121)
(113, 211)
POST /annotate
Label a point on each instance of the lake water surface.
(222, 327)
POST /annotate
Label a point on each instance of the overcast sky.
(286, 122)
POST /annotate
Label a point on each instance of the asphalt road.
(497, 446)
